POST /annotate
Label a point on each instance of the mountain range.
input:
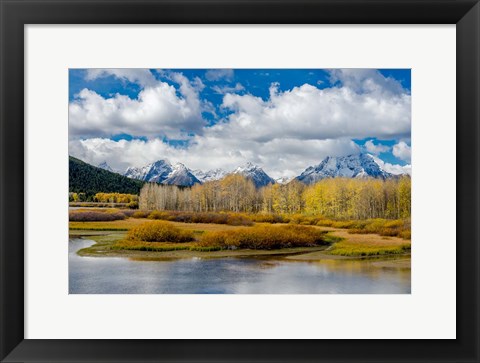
(361, 165)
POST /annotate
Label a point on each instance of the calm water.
(108, 275)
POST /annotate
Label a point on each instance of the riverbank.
(107, 234)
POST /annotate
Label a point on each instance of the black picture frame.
(15, 14)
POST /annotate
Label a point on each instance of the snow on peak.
(255, 173)
(157, 171)
(284, 179)
(214, 174)
(351, 166)
(105, 166)
(181, 175)
(162, 171)
(179, 167)
(361, 165)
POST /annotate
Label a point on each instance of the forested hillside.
(88, 179)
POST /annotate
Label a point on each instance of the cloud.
(375, 149)
(366, 81)
(402, 151)
(394, 169)
(219, 74)
(226, 89)
(282, 157)
(284, 133)
(307, 112)
(157, 111)
(143, 77)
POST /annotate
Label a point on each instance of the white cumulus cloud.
(394, 169)
(375, 148)
(219, 74)
(157, 111)
(227, 89)
(402, 151)
(283, 133)
(307, 112)
(143, 77)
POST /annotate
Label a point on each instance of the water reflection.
(102, 275)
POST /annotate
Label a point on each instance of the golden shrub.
(159, 231)
(265, 237)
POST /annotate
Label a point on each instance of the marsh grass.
(149, 246)
(141, 214)
(175, 231)
(97, 229)
(161, 236)
(345, 248)
(98, 205)
(99, 215)
(265, 237)
(160, 246)
(93, 216)
(118, 225)
(233, 219)
(159, 231)
(383, 227)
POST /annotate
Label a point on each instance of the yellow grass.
(368, 245)
(121, 225)
(352, 244)
(265, 237)
(159, 231)
(127, 224)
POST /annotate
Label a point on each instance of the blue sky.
(282, 119)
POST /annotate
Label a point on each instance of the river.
(112, 275)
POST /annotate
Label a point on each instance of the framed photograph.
(218, 181)
(239, 181)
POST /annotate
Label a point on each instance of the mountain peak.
(254, 173)
(360, 165)
(284, 179)
(181, 175)
(179, 166)
(157, 171)
(105, 166)
(161, 162)
(214, 174)
(162, 171)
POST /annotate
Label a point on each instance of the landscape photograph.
(239, 181)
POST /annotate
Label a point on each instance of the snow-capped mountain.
(351, 166)
(154, 172)
(105, 166)
(255, 173)
(182, 176)
(249, 170)
(163, 172)
(210, 175)
(284, 180)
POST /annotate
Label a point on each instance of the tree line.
(87, 180)
(103, 197)
(339, 198)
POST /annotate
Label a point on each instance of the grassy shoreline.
(106, 235)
